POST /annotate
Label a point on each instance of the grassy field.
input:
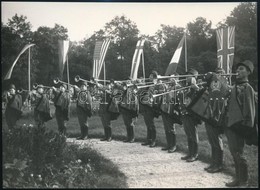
(119, 133)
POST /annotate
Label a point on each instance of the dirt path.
(147, 167)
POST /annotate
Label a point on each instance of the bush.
(36, 157)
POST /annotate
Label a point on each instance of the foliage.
(36, 157)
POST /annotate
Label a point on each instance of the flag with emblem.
(226, 47)
(136, 58)
(172, 67)
(99, 56)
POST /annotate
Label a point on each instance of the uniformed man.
(13, 109)
(240, 121)
(84, 109)
(214, 134)
(129, 108)
(42, 112)
(108, 110)
(170, 115)
(151, 109)
(61, 103)
(189, 120)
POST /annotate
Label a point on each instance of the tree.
(46, 40)
(15, 35)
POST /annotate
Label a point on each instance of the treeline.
(158, 49)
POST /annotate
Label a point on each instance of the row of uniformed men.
(129, 110)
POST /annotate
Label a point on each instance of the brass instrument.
(57, 80)
(35, 85)
(21, 90)
(77, 79)
(179, 89)
(177, 76)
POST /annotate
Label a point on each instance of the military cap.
(248, 64)
(64, 85)
(39, 86)
(193, 72)
(219, 70)
(154, 74)
(11, 86)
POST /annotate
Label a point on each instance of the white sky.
(82, 19)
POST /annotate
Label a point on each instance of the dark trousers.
(130, 122)
(11, 117)
(216, 143)
(191, 132)
(169, 128)
(236, 146)
(83, 121)
(149, 122)
(60, 118)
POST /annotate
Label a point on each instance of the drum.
(210, 104)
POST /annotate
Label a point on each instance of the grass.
(119, 133)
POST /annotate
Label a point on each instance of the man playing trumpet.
(61, 102)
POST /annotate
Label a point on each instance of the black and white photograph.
(129, 94)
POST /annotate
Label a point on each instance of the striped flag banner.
(226, 47)
(136, 58)
(63, 51)
(9, 73)
(172, 67)
(99, 56)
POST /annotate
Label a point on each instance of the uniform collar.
(241, 81)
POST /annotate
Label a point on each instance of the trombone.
(57, 80)
(35, 85)
(179, 89)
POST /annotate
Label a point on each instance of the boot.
(189, 151)
(81, 137)
(213, 162)
(149, 138)
(153, 134)
(194, 156)
(172, 147)
(105, 132)
(243, 174)
(132, 135)
(168, 143)
(218, 167)
(235, 182)
(128, 135)
(86, 133)
(109, 134)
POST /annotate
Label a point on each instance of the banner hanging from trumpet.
(226, 46)
(63, 51)
(99, 56)
(139, 50)
(9, 73)
(172, 67)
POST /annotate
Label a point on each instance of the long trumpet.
(77, 79)
(22, 90)
(57, 80)
(203, 75)
(35, 85)
(179, 89)
(168, 82)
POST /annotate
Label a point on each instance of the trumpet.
(21, 90)
(169, 82)
(179, 89)
(77, 79)
(57, 80)
(35, 85)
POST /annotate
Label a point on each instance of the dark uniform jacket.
(84, 101)
(43, 107)
(62, 101)
(14, 104)
(130, 101)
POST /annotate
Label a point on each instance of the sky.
(82, 19)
